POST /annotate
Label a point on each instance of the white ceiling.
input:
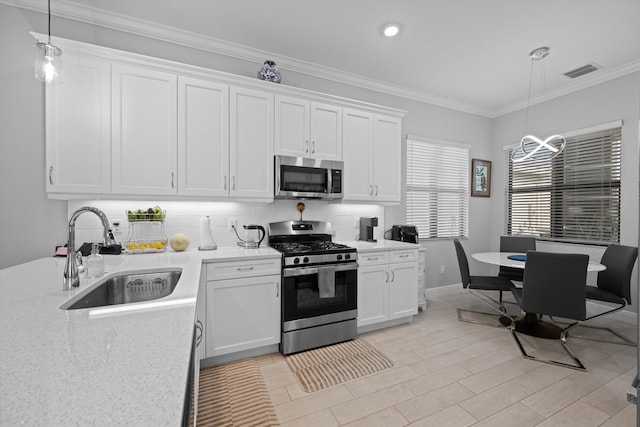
(472, 55)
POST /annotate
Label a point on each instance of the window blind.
(574, 197)
(438, 189)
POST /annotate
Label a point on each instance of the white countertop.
(92, 366)
(380, 245)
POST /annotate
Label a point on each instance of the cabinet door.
(78, 134)
(203, 138)
(373, 301)
(357, 137)
(292, 126)
(251, 143)
(144, 117)
(242, 314)
(326, 131)
(403, 294)
(386, 158)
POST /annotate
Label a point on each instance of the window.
(437, 188)
(574, 197)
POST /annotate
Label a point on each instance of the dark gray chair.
(613, 286)
(515, 244)
(477, 285)
(555, 284)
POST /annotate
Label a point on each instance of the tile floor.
(451, 373)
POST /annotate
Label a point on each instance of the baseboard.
(232, 357)
(625, 316)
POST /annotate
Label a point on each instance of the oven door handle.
(306, 271)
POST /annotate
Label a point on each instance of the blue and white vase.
(269, 72)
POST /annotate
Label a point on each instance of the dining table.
(530, 323)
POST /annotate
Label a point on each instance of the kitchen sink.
(125, 288)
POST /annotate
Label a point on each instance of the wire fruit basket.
(146, 231)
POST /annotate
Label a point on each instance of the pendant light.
(532, 147)
(48, 62)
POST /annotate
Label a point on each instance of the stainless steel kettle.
(253, 235)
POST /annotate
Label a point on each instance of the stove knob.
(296, 261)
(339, 257)
(347, 256)
(306, 259)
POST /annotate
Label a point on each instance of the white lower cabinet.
(243, 313)
(387, 286)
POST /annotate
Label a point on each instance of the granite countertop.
(380, 245)
(97, 366)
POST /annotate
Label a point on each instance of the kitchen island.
(125, 365)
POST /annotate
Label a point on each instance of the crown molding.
(90, 15)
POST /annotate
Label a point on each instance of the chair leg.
(625, 340)
(563, 340)
(501, 312)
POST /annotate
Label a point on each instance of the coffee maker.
(366, 228)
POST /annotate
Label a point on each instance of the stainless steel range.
(319, 285)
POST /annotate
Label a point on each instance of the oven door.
(316, 295)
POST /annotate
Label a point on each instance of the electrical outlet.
(233, 222)
(442, 269)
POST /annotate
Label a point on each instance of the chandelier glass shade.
(48, 58)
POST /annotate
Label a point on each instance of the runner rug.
(234, 395)
(328, 366)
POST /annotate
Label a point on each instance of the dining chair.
(515, 244)
(613, 286)
(477, 285)
(555, 284)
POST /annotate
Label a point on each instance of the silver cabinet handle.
(277, 289)
(370, 190)
(403, 256)
(234, 182)
(200, 330)
(51, 175)
(225, 182)
(244, 268)
(172, 177)
(386, 280)
(376, 189)
(372, 258)
(393, 276)
(306, 146)
(313, 147)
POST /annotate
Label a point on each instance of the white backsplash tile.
(184, 217)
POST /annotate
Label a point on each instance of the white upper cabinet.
(251, 119)
(387, 136)
(357, 151)
(371, 152)
(307, 129)
(203, 138)
(144, 137)
(78, 134)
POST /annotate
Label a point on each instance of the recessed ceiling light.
(391, 30)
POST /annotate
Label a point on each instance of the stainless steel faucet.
(71, 276)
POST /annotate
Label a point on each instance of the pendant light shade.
(48, 61)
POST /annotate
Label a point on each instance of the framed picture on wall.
(480, 178)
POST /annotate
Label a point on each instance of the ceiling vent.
(581, 71)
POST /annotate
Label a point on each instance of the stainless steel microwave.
(304, 178)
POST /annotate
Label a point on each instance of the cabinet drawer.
(238, 269)
(372, 258)
(404, 255)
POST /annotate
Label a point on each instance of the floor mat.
(234, 395)
(328, 366)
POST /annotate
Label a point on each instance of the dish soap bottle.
(95, 262)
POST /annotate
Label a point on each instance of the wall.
(31, 225)
(616, 99)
